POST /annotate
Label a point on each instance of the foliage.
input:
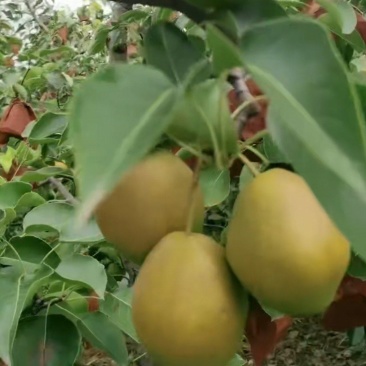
(73, 125)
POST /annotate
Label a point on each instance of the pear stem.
(257, 153)
(249, 164)
(193, 192)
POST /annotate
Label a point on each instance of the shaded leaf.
(104, 335)
(357, 268)
(342, 12)
(19, 289)
(117, 306)
(215, 184)
(100, 40)
(225, 53)
(62, 216)
(51, 340)
(246, 176)
(169, 49)
(42, 174)
(272, 152)
(31, 251)
(237, 361)
(84, 269)
(48, 125)
(202, 118)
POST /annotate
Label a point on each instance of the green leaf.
(52, 340)
(61, 217)
(237, 361)
(48, 125)
(11, 192)
(323, 132)
(117, 117)
(20, 90)
(273, 313)
(13, 196)
(251, 12)
(272, 152)
(215, 184)
(354, 38)
(342, 12)
(225, 54)
(356, 336)
(43, 173)
(117, 306)
(19, 287)
(31, 251)
(6, 159)
(169, 49)
(104, 335)
(86, 270)
(202, 118)
(246, 176)
(100, 40)
(27, 155)
(357, 268)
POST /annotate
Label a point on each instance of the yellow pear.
(283, 247)
(188, 309)
(149, 202)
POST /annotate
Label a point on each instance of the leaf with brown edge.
(263, 333)
(16, 118)
(348, 310)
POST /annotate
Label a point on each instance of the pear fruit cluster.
(283, 247)
(190, 299)
(188, 308)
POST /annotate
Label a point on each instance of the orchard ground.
(306, 344)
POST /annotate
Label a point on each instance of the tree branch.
(63, 191)
(196, 14)
(35, 16)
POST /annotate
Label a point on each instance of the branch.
(35, 16)
(196, 14)
(236, 79)
(63, 191)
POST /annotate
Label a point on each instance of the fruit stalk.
(193, 192)
(249, 164)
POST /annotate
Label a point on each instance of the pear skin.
(283, 247)
(149, 202)
(187, 307)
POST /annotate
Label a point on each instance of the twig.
(236, 79)
(249, 164)
(192, 196)
(63, 191)
(35, 16)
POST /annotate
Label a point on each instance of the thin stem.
(249, 164)
(35, 16)
(192, 196)
(258, 136)
(257, 153)
(246, 104)
(139, 357)
(63, 191)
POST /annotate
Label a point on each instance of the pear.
(283, 247)
(149, 202)
(187, 307)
